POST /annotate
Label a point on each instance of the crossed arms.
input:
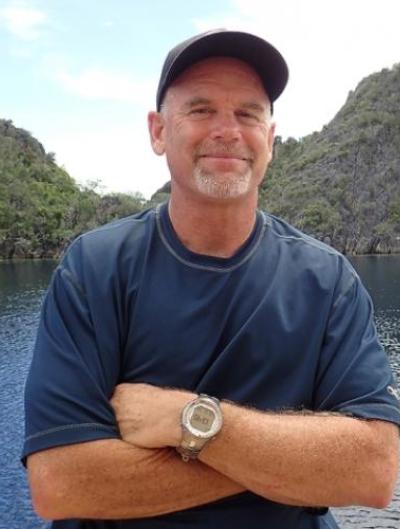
(307, 460)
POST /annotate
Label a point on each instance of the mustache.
(222, 150)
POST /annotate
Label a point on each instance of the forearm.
(112, 479)
(309, 460)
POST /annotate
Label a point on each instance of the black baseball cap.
(255, 51)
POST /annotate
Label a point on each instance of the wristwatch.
(201, 420)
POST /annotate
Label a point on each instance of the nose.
(225, 127)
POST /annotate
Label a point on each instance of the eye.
(247, 117)
(201, 112)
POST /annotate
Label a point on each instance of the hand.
(149, 416)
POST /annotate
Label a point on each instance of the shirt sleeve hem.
(66, 435)
(384, 412)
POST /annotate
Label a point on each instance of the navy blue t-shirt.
(283, 324)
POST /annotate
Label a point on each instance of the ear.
(156, 126)
(271, 139)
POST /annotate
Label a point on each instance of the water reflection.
(381, 276)
(22, 284)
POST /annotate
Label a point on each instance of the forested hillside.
(341, 184)
(41, 206)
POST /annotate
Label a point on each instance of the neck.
(212, 227)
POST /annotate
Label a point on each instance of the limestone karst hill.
(342, 184)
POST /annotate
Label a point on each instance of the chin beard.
(222, 186)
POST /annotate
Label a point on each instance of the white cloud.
(105, 85)
(22, 21)
(329, 46)
(120, 157)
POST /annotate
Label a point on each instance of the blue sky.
(81, 75)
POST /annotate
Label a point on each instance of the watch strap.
(190, 446)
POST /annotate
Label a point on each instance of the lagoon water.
(22, 286)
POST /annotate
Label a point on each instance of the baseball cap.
(255, 51)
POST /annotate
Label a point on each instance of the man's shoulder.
(286, 234)
(112, 245)
(306, 251)
(117, 232)
(119, 229)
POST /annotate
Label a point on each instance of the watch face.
(202, 418)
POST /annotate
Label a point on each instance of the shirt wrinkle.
(69, 276)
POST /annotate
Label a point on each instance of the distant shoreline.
(56, 258)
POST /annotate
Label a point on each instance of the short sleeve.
(354, 375)
(73, 374)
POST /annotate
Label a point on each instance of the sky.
(81, 75)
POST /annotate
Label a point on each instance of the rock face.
(342, 184)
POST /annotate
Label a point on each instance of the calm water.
(22, 285)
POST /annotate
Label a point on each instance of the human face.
(215, 129)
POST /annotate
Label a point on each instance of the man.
(152, 319)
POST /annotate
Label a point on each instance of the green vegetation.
(41, 206)
(340, 185)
